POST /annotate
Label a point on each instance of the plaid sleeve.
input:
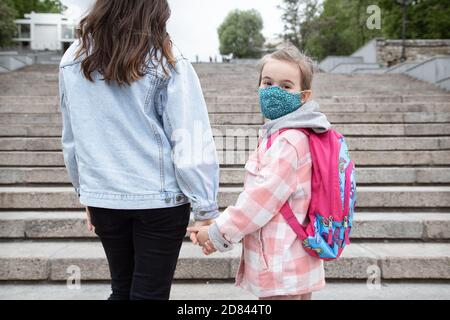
(273, 184)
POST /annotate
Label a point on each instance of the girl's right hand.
(208, 248)
(197, 224)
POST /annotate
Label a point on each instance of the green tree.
(339, 27)
(300, 20)
(309, 21)
(241, 34)
(7, 24)
(291, 20)
(46, 6)
(427, 19)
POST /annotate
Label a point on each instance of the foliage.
(241, 34)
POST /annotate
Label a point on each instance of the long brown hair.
(120, 37)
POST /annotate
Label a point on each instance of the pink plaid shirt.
(273, 259)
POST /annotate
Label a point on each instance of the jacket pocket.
(262, 251)
(251, 170)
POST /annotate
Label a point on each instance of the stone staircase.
(397, 129)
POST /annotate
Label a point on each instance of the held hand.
(193, 235)
(201, 234)
(208, 248)
(89, 221)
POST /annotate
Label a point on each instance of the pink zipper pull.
(330, 230)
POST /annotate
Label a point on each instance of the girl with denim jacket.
(137, 142)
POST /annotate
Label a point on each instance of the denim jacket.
(144, 146)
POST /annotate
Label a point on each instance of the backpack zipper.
(330, 230)
(347, 231)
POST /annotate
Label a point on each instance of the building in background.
(45, 31)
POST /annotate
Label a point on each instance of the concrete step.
(354, 143)
(250, 143)
(376, 197)
(388, 95)
(29, 108)
(255, 118)
(384, 107)
(29, 100)
(30, 131)
(394, 99)
(238, 158)
(51, 261)
(49, 175)
(220, 290)
(423, 226)
(235, 176)
(31, 118)
(41, 159)
(30, 79)
(30, 144)
(361, 158)
(40, 82)
(219, 103)
(44, 225)
(235, 105)
(381, 83)
(365, 175)
(16, 89)
(227, 81)
(324, 107)
(328, 92)
(335, 118)
(212, 97)
(251, 94)
(349, 130)
(368, 197)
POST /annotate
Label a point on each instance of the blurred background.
(244, 28)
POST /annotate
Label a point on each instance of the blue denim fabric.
(143, 146)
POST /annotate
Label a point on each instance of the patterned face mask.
(276, 102)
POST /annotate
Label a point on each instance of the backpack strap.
(291, 219)
(286, 210)
(348, 173)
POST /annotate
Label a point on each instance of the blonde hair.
(290, 53)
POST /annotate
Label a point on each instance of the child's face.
(283, 74)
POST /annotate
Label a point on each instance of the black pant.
(142, 248)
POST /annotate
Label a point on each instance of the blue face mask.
(276, 102)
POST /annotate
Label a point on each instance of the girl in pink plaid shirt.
(274, 264)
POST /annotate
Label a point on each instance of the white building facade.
(45, 31)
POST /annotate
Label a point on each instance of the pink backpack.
(333, 196)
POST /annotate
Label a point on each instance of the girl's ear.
(305, 95)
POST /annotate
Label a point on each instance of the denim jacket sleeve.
(186, 123)
(67, 140)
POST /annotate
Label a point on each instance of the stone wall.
(389, 51)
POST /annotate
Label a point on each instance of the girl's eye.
(267, 83)
(287, 87)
